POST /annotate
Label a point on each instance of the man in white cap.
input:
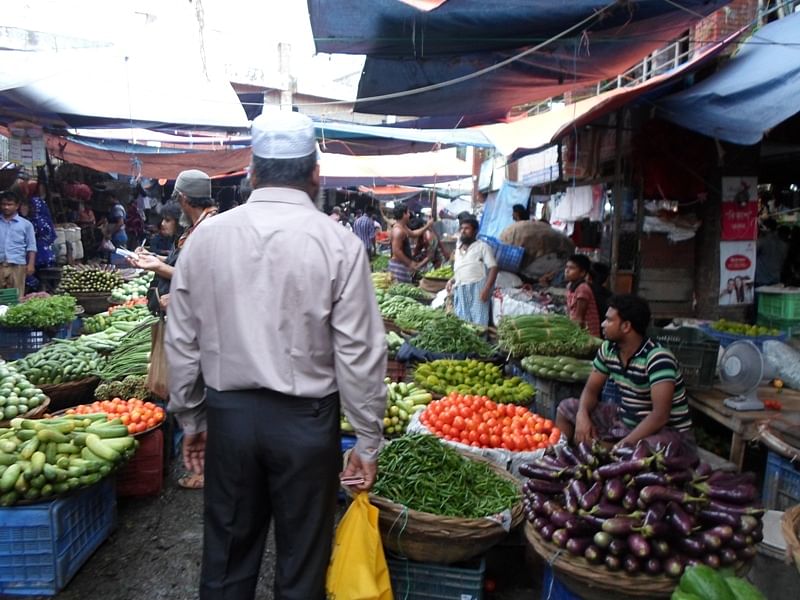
(272, 304)
(193, 194)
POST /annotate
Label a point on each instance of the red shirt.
(592, 318)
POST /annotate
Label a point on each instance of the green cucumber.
(705, 582)
(9, 478)
(743, 590)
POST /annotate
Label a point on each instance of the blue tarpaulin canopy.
(409, 49)
(755, 91)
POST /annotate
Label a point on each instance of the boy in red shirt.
(581, 305)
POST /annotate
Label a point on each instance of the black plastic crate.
(695, 350)
(426, 581)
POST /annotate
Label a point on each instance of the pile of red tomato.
(478, 421)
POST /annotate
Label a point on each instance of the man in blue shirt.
(17, 244)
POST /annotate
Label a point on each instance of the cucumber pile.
(104, 320)
(43, 458)
(89, 279)
(402, 401)
(559, 368)
(17, 394)
(59, 362)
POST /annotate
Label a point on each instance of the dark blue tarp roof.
(409, 49)
(752, 93)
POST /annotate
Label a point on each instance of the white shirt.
(472, 263)
(274, 294)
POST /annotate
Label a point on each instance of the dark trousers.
(269, 455)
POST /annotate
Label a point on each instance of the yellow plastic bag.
(358, 568)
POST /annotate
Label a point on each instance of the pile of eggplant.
(641, 509)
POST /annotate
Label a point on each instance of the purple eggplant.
(680, 521)
(619, 469)
(651, 493)
(550, 506)
(578, 527)
(738, 541)
(613, 563)
(656, 529)
(650, 478)
(655, 513)
(606, 509)
(537, 504)
(584, 453)
(539, 523)
(592, 496)
(547, 531)
(602, 539)
(717, 517)
(642, 450)
(728, 479)
(757, 535)
(631, 565)
(748, 524)
(746, 553)
(674, 566)
(723, 532)
(593, 555)
(712, 560)
(559, 518)
(571, 500)
(677, 463)
(693, 562)
(740, 494)
(548, 462)
(544, 486)
(614, 489)
(578, 545)
(734, 509)
(595, 521)
(529, 514)
(560, 538)
(652, 566)
(540, 472)
(621, 525)
(638, 545)
(565, 454)
(711, 541)
(618, 547)
(600, 450)
(703, 470)
(661, 548)
(630, 498)
(692, 546)
(579, 487)
(680, 477)
(622, 452)
(727, 556)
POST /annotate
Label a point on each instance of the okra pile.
(548, 335)
(423, 474)
(642, 509)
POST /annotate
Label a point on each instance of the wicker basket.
(595, 581)
(71, 393)
(424, 537)
(395, 370)
(790, 526)
(93, 303)
(433, 286)
(35, 413)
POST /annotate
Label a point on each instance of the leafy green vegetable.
(41, 313)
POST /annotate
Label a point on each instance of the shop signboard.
(739, 209)
(737, 271)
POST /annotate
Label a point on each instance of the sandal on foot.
(192, 481)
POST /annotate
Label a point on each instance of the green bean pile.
(410, 291)
(451, 335)
(422, 473)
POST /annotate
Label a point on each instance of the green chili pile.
(451, 336)
(422, 473)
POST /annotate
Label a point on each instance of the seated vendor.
(653, 397)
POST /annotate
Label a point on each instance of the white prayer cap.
(283, 134)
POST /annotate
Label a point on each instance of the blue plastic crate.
(43, 545)
(425, 581)
(508, 257)
(553, 589)
(781, 483)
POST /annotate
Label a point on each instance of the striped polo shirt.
(650, 365)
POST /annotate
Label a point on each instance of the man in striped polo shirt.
(653, 403)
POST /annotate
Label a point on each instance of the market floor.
(154, 554)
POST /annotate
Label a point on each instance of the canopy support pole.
(618, 202)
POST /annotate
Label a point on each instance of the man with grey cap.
(272, 303)
(193, 194)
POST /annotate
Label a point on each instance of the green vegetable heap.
(380, 262)
(86, 279)
(17, 394)
(59, 362)
(443, 272)
(743, 329)
(390, 306)
(422, 473)
(559, 368)
(133, 386)
(136, 288)
(40, 313)
(450, 335)
(410, 291)
(103, 321)
(550, 335)
(473, 377)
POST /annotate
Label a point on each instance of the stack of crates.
(781, 483)
(144, 473)
(779, 308)
(695, 351)
(43, 545)
(427, 581)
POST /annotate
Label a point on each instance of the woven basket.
(595, 581)
(71, 393)
(93, 303)
(35, 413)
(424, 537)
(433, 286)
(790, 526)
(395, 370)
(389, 325)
